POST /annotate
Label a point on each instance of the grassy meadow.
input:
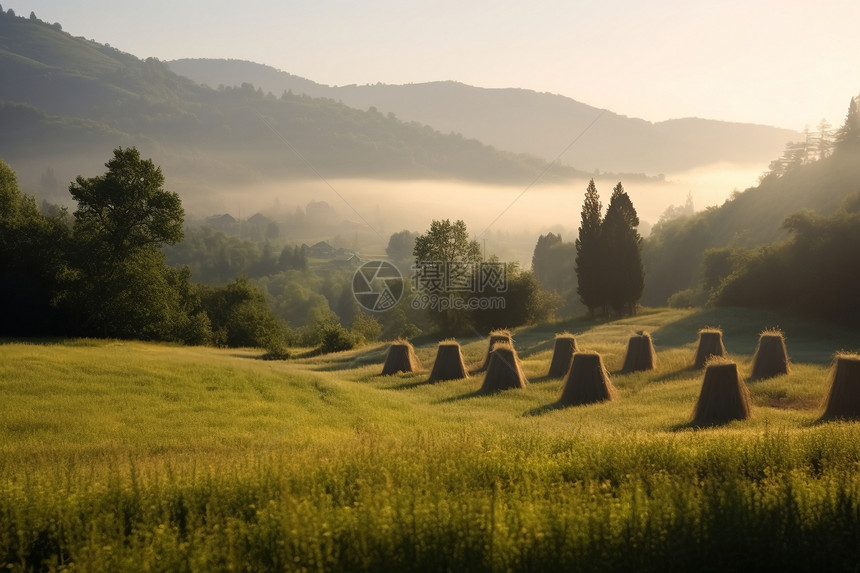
(127, 456)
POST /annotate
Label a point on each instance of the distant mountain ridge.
(66, 102)
(525, 121)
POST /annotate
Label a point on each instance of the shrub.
(335, 338)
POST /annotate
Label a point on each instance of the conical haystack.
(562, 355)
(843, 400)
(724, 396)
(495, 337)
(640, 354)
(504, 371)
(587, 381)
(771, 358)
(449, 363)
(401, 358)
(710, 344)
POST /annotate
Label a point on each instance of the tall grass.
(128, 457)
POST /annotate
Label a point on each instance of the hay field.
(125, 456)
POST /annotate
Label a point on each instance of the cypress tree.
(623, 274)
(589, 252)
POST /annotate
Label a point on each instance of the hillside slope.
(673, 253)
(522, 120)
(67, 99)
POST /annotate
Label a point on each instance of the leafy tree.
(446, 250)
(138, 297)
(401, 245)
(336, 338)
(624, 278)
(443, 254)
(525, 302)
(589, 252)
(365, 327)
(127, 208)
(241, 317)
(445, 241)
(117, 283)
(400, 249)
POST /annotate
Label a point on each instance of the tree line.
(102, 271)
(121, 266)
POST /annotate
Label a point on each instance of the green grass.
(125, 456)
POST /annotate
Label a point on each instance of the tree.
(117, 284)
(676, 211)
(544, 264)
(848, 135)
(292, 258)
(400, 246)
(241, 317)
(442, 255)
(624, 277)
(446, 242)
(553, 264)
(589, 253)
(127, 208)
(824, 139)
(31, 246)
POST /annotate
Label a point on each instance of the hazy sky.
(779, 62)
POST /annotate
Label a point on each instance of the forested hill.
(803, 179)
(68, 99)
(522, 120)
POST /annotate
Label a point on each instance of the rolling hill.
(66, 102)
(526, 121)
(673, 253)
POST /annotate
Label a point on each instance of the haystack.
(724, 396)
(562, 355)
(449, 363)
(843, 400)
(587, 381)
(496, 336)
(504, 371)
(710, 344)
(401, 358)
(640, 354)
(771, 358)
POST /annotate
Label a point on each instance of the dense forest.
(799, 219)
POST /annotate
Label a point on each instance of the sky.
(786, 63)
